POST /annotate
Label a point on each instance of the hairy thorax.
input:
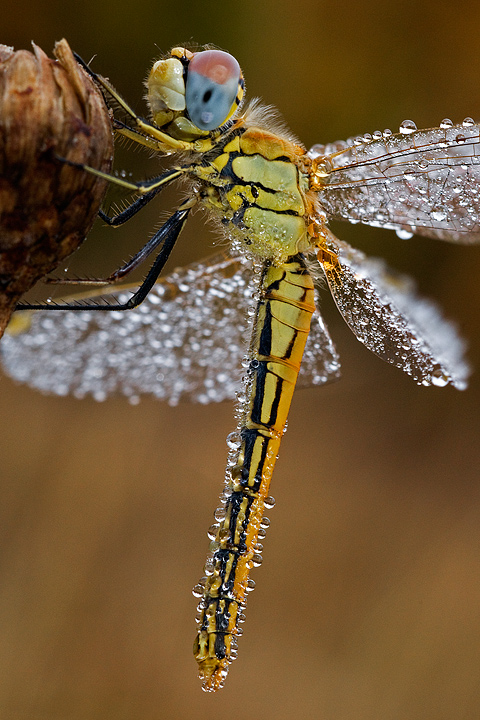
(258, 185)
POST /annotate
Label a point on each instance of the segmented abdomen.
(280, 330)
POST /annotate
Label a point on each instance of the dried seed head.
(48, 108)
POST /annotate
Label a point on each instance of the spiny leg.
(128, 212)
(168, 234)
(158, 183)
(117, 274)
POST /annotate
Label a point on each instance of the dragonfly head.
(192, 94)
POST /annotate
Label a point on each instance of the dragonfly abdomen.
(279, 334)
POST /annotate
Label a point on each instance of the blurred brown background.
(367, 605)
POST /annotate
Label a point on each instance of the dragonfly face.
(190, 94)
(273, 200)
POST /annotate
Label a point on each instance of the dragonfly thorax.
(257, 187)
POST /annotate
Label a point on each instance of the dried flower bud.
(48, 108)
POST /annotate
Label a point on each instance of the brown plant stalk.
(48, 109)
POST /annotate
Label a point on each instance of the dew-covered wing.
(185, 342)
(416, 181)
(386, 314)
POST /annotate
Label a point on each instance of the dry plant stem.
(48, 108)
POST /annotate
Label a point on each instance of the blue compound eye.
(214, 88)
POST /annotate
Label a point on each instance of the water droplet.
(223, 534)
(209, 567)
(233, 441)
(460, 139)
(265, 522)
(446, 123)
(269, 502)
(377, 134)
(439, 378)
(407, 127)
(257, 560)
(197, 591)
(316, 151)
(250, 585)
(438, 215)
(387, 132)
(404, 233)
(212, 531)
(220, 514)
(468, 122)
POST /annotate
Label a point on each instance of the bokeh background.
(367, 604)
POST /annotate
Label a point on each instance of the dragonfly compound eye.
(214, 88)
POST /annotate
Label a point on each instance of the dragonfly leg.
(119, 219)
(120, 272)
(129, 211)
(145, 187)
(166, 236)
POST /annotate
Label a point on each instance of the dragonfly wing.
(185, 342)
(425, 182)
(320, 363)
(386, 314)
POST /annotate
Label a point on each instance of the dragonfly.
(245, 323)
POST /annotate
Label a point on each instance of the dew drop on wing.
(446, 123)
(146, 347)
(407, 331)
(407, 127)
